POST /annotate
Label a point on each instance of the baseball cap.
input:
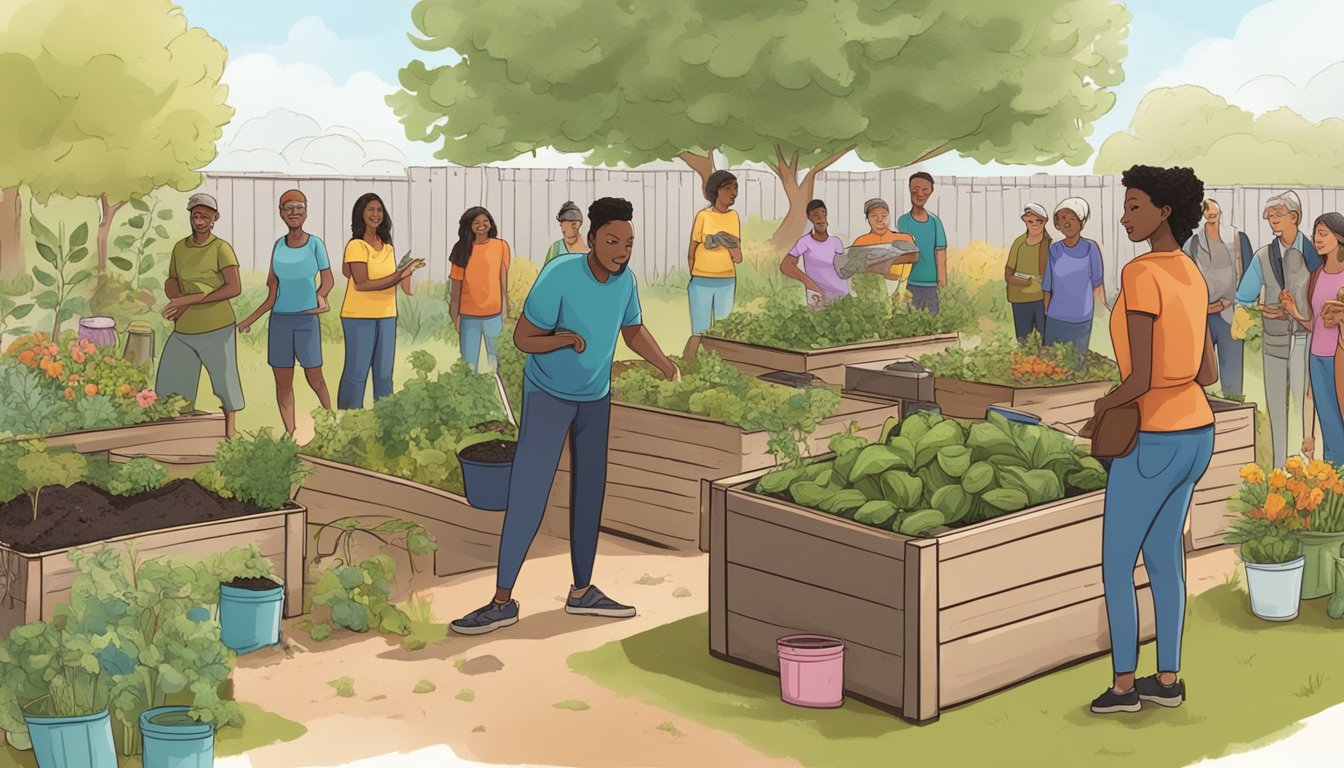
(201, 198)
(876, 202)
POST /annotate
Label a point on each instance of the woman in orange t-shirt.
(1160, 333)
(479, 292)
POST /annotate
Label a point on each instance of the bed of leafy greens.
(1004, 361)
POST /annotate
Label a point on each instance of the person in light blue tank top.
(297, 286)
(578, 307)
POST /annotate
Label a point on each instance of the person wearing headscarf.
(571, 241)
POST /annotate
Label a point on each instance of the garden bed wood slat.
(826, 364)
(1070, 404)
(1233, 448)
(191, 426)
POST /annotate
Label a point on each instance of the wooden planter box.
(1069, 404)
(927, 623)
(657, 460)
(826, 364)
(1233, 448)
(195, 426)
(40, 582)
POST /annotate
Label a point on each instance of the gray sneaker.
(594, 603)
(488, 619)
(1151, 689)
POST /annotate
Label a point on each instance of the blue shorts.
(294, 337)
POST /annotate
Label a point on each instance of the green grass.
(1250, 682)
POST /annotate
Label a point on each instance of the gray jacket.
(1296, 275)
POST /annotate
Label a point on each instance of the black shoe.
(1111, 702)
(1152, 689)
(488, 619)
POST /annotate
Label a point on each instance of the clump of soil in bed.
(254, 584)
(83, 514)
(490, 452)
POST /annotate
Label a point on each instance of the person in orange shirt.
(479, 292)
(1160, 333)
(880, 233)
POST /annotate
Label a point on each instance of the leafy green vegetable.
(873, 460)
(922, 521)
(778, 481)
(876, 512)
(843, 501)
(260, 469)
(1006, 499)
(978, 478)
(900, 488)
(953, 502)
(809, 494)
(954, 460)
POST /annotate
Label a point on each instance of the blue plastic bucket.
(249, 619)
(171, 739)
(487, 484)
(1021, 417)
(73, 742)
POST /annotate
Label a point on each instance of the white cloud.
(283, 141)
(1285, 53)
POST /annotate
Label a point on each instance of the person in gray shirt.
(1222, 254)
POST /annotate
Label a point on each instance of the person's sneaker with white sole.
(1111, 702)
(1152, 690)
(595, 603)
(487, 619)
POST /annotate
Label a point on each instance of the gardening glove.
(1241, 323)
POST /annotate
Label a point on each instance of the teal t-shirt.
(566, 297)
(296, 271)
(929, 236)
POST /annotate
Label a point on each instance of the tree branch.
(938, 150)
(787, 173)
(824, 164)
(701, 164)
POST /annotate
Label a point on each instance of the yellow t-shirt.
(482, 278)
(714, 262)
(370, 304)
(897, 271)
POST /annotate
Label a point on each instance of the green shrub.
(137, 476)
(256, 468)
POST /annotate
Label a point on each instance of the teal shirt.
(296, 271)
(566, 297)
(929, 236)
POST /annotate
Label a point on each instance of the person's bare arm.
(172, 289)
(690, 253)
(1009, 276)
(272, 285)
(324, 286)
(504, 292)
(359, 275)
(455, 302)
(789, 267)
(233, 285)
(736, 254)
(1099, 293)
(940, 256)
(1045, 300)
(642, 343)
(1208, 363)
(532, 340)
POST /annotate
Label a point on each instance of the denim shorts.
(294, 337)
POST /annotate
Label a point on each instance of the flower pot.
(811, 671)
(73, 742)
(249, 614)
(1335, 608)
(1320, 550)
(1276, 589)
(171, 739)
(486, 468)
(99, 330)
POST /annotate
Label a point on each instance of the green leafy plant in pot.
(1269, 532)
(1323, 538)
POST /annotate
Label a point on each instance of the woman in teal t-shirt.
(571, 220)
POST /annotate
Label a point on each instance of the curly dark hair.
(1179, 188)
(605, 210)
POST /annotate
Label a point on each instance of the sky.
(307, 78)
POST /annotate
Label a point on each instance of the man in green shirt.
(202, 277)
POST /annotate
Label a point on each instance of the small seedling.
(425, 686)
(466, 694)
(574, 705)
(345, 687)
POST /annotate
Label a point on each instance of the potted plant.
(486, 469)
(172, 738)
(1269, 534)
(1323, 535)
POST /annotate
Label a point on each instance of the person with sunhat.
(1024, 271)
(571, 221)
(202, 277)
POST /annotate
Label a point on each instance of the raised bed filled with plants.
(667, 438)
(784, 336)
(57, 501)
(1058, 384)
(952, 562)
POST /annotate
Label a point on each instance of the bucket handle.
(504, 398)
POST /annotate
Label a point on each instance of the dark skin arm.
(532, 340)
(642, 343)
(233, 285)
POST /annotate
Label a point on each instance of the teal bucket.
(173, 740)
(73, 742)
(249, 619)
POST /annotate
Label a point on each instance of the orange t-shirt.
(481, 279)
(897, 271)
(1168, 286)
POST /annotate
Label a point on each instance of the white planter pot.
(1276, 590)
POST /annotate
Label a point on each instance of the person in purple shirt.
(1072, 285)
(818, 250)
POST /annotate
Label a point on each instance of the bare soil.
(491, 452)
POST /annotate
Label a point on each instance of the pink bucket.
(811, 671)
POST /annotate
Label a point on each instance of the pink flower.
(77, 355)
(146, 398)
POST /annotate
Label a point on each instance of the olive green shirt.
(200, 269)
(1026, 259)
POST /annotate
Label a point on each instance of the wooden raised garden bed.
(194, 426)
(1233, 448)
(657, 460)
(37, 583)
(928, 623)
(826, 364)
(1069, 404)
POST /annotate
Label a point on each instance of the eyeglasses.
(293, 207)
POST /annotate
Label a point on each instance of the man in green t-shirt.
(202, 277)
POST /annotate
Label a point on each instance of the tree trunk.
(798, 193)
(104, 227)
(11, 234)
(703, 165)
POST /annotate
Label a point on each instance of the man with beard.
(579, 305)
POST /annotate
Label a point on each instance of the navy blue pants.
(1029, 316)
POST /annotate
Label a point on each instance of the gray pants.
(184, 354)
(1284, 375)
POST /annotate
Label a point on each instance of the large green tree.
(106, 99)
(1189, 126)
(795, 85)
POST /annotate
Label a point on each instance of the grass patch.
(466, 694)
(345, 686)
(1046, 721)
(425, 686)
(573, 705)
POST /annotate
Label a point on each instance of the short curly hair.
(605, 210)
(1179, 188)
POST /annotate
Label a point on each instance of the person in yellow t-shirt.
(369, 311)
(714, 254)
(880, 233)
(479, 294)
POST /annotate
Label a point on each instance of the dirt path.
(514, 681)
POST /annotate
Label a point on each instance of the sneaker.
(488, 619)
(1152, 689)
(1111, 702)
(594, 603)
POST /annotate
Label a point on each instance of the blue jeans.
(370, 344)
(711, 299)
(469, 334)
(1060, 332)
(924, 297)
(546, 421)
(1028, 316)
(1327, 408)
(1230, 352)
(1148, 495)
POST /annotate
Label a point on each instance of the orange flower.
(125, 390)
(1253, 474)
(1314, 498)
(1317, 468)
(1294, 465)
(69, 394)
(1277, 479)
(1276, 506)
(90, 389)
